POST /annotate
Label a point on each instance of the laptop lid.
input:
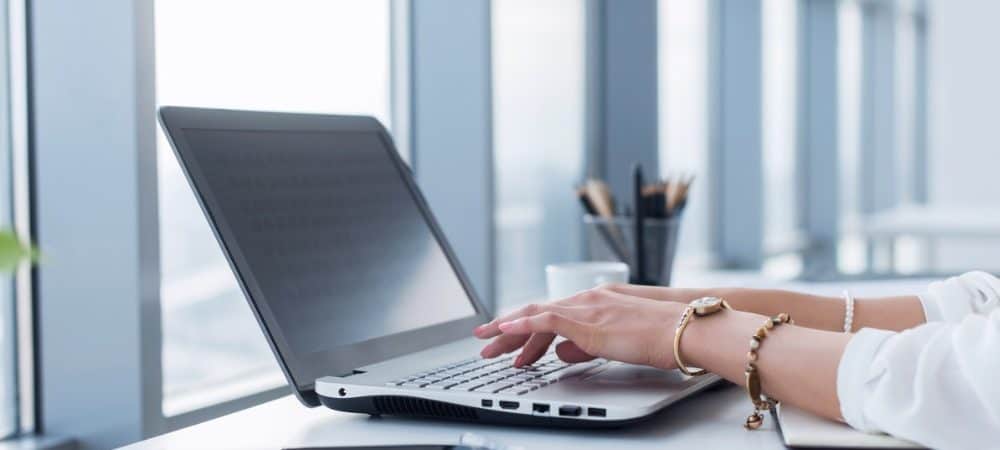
(330, 239)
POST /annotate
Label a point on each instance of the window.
(327, 56)
(538, 117)
(8, 336)
(684, 116)
(16, 354)
(780, 96)
(851, 249)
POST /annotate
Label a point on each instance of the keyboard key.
(501, 387)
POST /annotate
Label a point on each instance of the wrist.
(718, 343)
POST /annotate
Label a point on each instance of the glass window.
(8, 335)
(538, 129)
(329, 56)
(684, 114)
(779, 49)
(851, 250)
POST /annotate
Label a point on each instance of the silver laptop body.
(355, 287)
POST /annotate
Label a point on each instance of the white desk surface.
(712, 419)
(709, 420)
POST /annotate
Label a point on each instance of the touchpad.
(619, 373)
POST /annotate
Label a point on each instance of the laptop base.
(405, 406)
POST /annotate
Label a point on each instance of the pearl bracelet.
(848, 311)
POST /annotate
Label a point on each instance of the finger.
(504, 344)
(569, 352)
(490, 329)
(549, 322)
(536, 346)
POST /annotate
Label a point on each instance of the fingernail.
(518, 361)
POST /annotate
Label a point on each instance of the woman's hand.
(600, 322)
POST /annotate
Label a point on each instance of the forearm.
(813, 311)
(827, 313)
(797, 365)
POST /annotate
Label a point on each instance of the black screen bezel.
(301, 372)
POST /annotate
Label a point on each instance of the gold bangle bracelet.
(694, 309)
(760, 401)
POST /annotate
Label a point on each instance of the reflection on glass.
(328, 56)
(538, 101)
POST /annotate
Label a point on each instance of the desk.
(712, 419)
(709, 420)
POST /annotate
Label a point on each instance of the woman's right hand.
(600, 322)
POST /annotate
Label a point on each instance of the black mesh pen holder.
(614, 240)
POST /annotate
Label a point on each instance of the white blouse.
(937, 384)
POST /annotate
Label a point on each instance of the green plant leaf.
(14, 252)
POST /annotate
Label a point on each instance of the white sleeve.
(953, 299)
(936, 384)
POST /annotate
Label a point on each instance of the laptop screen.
(330, 234)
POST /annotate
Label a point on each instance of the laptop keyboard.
(492, 376)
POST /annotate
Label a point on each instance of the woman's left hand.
(600, 322)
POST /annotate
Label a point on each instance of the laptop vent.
(420, 407)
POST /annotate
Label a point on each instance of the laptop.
(354, 285)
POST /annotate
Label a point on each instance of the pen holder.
(614, 240)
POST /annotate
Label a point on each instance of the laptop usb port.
(597, 412)
(487, 403)
(507, 404)
(570, 410)
(541, 408)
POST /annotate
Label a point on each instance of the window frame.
(15, 120)
(119, 50)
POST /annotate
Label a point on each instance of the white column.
(451, 127)
(819, 158)
(736, 132)
(94, 155)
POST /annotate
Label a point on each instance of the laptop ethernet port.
(597, 412)
(541, 408)
(570, 410)
(507, 404)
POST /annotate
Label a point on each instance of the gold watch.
(701, 307)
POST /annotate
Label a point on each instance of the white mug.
(564, 280)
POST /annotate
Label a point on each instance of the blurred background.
(831, 139)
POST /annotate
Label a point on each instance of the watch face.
(706, 305)
(706, 302)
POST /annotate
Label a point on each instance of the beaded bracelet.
(760, 401)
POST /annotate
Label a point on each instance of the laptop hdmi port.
(570, 410)
(506, 404)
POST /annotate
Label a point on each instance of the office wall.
(962, 115)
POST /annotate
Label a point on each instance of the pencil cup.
(614, 240)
